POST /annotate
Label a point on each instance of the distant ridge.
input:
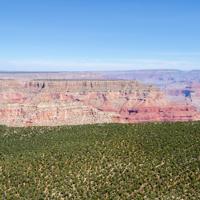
(102, 71)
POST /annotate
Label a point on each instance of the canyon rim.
(71, 98)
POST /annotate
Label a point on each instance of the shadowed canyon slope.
(38, 99)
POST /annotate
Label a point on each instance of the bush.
(140, 161)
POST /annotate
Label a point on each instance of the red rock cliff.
(59, 102)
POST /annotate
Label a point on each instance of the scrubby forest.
(108, 161)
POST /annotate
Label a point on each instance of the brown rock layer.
(60, 102)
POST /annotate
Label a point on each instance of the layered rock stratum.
(40, 100)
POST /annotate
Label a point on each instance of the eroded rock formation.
(60, 102)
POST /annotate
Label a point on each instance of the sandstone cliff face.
(60, 102)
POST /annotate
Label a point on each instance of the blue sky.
(51, 35)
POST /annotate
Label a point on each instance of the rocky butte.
(52, 102)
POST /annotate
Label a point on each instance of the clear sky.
(67, 35)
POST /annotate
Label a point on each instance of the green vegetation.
(141, 161)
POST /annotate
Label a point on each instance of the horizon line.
(70, 71)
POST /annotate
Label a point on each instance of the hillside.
(140, 161)
(73, 102)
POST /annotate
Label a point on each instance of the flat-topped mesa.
(84, 85)
(60, 102)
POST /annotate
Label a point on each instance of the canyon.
(52, 99)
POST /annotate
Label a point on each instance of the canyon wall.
(48, 102)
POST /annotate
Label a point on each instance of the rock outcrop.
(70, 102)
